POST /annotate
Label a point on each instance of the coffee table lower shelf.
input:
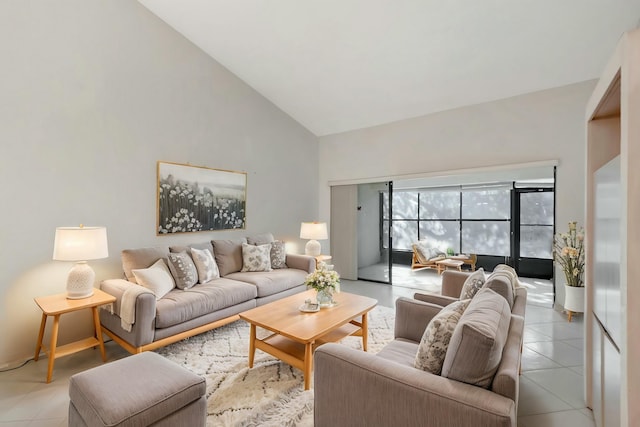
(294, 352)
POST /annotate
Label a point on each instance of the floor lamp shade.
(314, 231)
(80, 244)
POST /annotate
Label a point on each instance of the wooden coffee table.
(297, 334)
(452, 263)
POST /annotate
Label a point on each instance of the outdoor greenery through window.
(469, 220)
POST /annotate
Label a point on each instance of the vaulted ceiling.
(339, 65)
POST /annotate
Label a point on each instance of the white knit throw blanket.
(128, 305)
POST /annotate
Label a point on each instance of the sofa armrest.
(440, 300)
(412, 318)
(355, 388)
(301, 262)
(520, 302)
(452, 282)
(143, 330)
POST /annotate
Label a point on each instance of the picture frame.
(197, 198)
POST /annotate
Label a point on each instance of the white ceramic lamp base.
(312, 248)
(80, 281)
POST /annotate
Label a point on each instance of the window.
(536, 224)
(486, 225)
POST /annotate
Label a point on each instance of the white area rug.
(272, 392)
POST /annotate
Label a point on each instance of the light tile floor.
(551, 385)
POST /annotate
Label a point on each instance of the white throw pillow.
(205, 264)
(472, 284)
(256, 258)
(157, 278)
(435, 340)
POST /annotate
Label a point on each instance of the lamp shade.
(314, 230)
(80, 243)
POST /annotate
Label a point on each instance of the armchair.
(452, 282)
(360, 389)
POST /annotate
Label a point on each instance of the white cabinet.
(612, 276)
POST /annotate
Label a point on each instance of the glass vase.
(324, 298)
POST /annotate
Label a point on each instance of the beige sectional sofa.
(183, 313)
(478, 385)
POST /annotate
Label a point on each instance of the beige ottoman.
(141, 390)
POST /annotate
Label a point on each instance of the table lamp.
(80, 244)
(314, 231)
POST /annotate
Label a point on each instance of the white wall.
(541, 126)
(94, 93)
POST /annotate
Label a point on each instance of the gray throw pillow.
(278, 255)
(256, 258)
(228, 255)
(472, 284)
(182, 269)
(435, 340)
(205, 264)
(260, 239)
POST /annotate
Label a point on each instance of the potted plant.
(325, 282)
(568, 251)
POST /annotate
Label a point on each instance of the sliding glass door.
(375, 236)
(533, 227)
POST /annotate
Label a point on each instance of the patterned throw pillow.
(205, 264)
(182, 269)
(256, 258)
(435, 340)
(157, 278)
(278, 255)
(472, 284)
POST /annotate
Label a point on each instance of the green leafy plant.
(568, 251)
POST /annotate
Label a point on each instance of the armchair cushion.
(475, 349)
(425, 253)
(436, 337)
(472, 284)
(500, 283)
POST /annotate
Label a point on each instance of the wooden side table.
(57, 305)
(322, 258)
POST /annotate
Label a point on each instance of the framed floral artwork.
(196, 198)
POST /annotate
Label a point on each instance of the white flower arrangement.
(323, 279)
(568, 251)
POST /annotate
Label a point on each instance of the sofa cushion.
(180, 306)
(436, 337)
(260, 239)
(400, 350)
(157, 278)
(272, 282)
(205, 264)
(182, 269)
(228, 255)
(141, 258)
(500, 283)
(278, 255)
(187, 249)
(256, 258)
(472, 284)
(476, 345)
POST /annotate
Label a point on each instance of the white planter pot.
(574, 298)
